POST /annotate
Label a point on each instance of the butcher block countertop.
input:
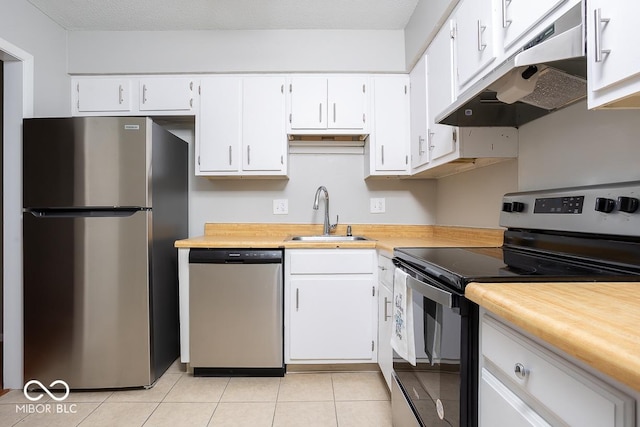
(383, 237)
(597, 323)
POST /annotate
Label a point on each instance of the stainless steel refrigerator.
(104, 200)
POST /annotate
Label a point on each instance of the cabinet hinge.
(373, 345)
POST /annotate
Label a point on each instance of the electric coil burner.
(563, 235)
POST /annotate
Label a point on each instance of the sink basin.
(328, 238)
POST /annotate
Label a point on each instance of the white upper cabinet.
(419, 126)
(328, 103)
(440, 87)
(520, 16)
(139, 95)
(264, 134)
(241, 127)
(219, 125)
(474, 38)
(388, 147)
(101, 95)
(613, 54)
(166, 94)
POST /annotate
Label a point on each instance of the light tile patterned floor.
(178, 399)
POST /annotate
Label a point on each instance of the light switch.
(376, 205)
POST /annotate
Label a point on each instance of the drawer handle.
(382, 267)
(520, 371)
(386, 304)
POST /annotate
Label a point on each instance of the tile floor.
(178, 399)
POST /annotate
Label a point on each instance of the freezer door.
(86, 161)
(86, 300)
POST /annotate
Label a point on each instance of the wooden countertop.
(597, 323)
(382, 237)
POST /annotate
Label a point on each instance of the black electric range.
(587, 233)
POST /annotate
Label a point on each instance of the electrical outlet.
(376, 205)
(280, 206)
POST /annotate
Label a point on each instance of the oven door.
(441, 390)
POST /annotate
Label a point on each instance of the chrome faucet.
(327, 227)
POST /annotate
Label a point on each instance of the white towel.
(402, 339)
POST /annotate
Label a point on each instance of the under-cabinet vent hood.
(328, 140)
(546, 74)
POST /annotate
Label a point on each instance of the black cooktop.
(458, 266)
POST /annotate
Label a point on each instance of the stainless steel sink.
(328, 238)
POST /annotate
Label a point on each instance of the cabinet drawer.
(385, 271)
(571, 394)
(331, 261)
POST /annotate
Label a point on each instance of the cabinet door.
(264, 136)
(347, 102)
(219, 125)
(440, 88)
(308, 103)
(166, 94)
(520, 16)
(390, 138)
(613, 54)
(331, 318)
(419, 145)
(385, 352)
(474, 39)
(103, 95)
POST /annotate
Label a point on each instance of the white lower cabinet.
(385, 298)
(526, 384)
(330, 306)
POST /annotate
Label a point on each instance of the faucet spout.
(327, 226)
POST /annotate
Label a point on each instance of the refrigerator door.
(86, 293)
(86, 161)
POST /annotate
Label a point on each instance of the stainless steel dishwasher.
(236, 312)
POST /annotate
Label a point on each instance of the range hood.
(546, 74)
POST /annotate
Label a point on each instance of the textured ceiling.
(158, 15)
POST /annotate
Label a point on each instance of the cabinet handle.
(297, 299)
(505, 22)
(248, 154)
(386, 311)
(364, 119)
(334, 112)
(230, 154)
(430, 136)
(599, 20)
(520, 371)
(481, 28)
(282, 89)
(120, 92)
(420, 142)
(320, 113)
(144, 94)
(382, 153)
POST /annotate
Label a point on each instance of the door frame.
(18, 104)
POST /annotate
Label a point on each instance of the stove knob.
(517, 207)
(627, 204)
(605, 205)
(507, 207)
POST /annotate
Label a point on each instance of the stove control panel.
(603, 209)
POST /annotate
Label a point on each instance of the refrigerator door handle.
(85, 212)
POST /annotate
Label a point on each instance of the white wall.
(422, 27)
(24, 26)
(474, 198)
(576, 146)
(571, 147)
(236, 51)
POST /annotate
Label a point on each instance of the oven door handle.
(429, 291)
